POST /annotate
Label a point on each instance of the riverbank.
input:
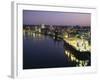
(79, 44)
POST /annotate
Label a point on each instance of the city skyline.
(31, 17)
(56, 39)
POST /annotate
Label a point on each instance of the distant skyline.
(31, 17)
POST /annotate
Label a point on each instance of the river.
(43, 51)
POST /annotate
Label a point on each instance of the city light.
(67, 35)
(74, 59)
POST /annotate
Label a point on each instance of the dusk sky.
(31, 17)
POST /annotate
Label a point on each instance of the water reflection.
(79, 58)
(73, 58)
(43, 51)
(33, 35)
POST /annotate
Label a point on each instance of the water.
(43, 51)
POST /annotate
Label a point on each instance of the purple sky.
(56, 18)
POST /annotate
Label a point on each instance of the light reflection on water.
(34, 35)
(78, 62)
(70, 60)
